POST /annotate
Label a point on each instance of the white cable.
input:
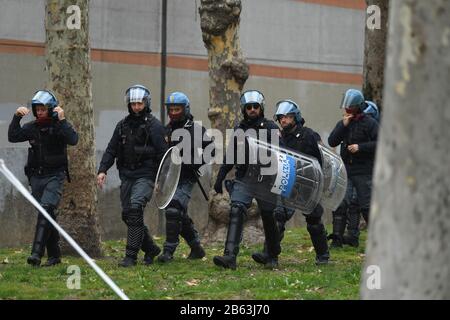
(10, 176)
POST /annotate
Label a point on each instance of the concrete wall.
(304, 38)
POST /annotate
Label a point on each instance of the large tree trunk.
(69, 67)
(409, 232)
(228, 72)
(374, 55)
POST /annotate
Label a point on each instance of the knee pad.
(318, 211)
(50, 209)
(173, 214)
(316, 228)
(280, 215)
(353, 208)
(133, 217)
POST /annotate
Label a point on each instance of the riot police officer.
(252, 107)
(138, 143)
(46, 167)
(299, 138)
(357, 135)
(353, 214)
(178, 221)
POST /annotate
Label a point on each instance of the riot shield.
(167, 177)
(335, 178)
(291, 179)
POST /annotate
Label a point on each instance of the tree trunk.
(69, 66)
(374, 55)
(409, 233)
(228, 72)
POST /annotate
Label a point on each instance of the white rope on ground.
(10, 176)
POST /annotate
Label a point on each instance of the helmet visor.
(42, 97)
(351, 99)
(252, 97)
(136, 95)
(286, 107)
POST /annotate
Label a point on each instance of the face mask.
(353, 111)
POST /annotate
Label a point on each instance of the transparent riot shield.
(335, 178)
(290, 178)
(167, 177)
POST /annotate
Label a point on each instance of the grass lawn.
(297, 277)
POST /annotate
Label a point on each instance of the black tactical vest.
(48, 151)
(135, 143)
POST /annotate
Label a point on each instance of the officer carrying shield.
(178, 221)
(138, 143)
(299, 138)
(252, 107)
(47, 165)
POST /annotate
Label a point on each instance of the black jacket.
(258, 124)
(138, 144)
(302, 139)
(193, 130)
(48, 152)
(363, 132)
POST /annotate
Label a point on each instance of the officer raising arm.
(357, 135)
(138, 145)
(47, 165)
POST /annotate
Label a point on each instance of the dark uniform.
(241, 201)
(138, 143)
(178, 221)
(302, 139)
(362, 131)
(46, 170)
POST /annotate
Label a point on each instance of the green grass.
(297, 277)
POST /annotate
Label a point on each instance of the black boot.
(197, 252)
(272, 237)
(166, 256)
(127, 262)
(234, 237)
(271, 263)
(339, 222)
(150, 248)
(34, 259)
(53, 250)
(354, 217)
(319, 239)
(173, 230)
(134, 219)
(41, 236)
(189, 234)
(52, 261)
(261, 257)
